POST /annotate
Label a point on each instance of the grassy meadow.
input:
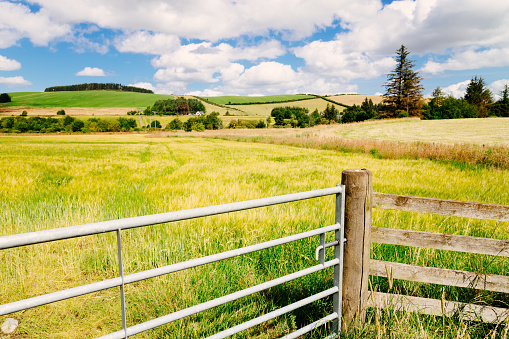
(84, 99)
(51, 181)
(491, 131)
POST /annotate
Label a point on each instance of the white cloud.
(498, 86)
(91, 72)
(147, 42)
(333, 59)
(17, 22)
(8, 64)
(471, 59)
(456, 90)
(146, 85)
(15, 81)
(206, 62)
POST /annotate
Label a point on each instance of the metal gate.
(117, 226)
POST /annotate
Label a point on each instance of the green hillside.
(84, 99)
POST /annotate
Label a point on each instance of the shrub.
(77, 125)
(174, 125)
(24, 113)
(61, 112)
(4, 97)
(199, 127)
(155, 124)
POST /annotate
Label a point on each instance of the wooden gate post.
(358, 194)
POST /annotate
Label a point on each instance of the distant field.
(491, 131)
(262, 109)
(357, 99)
(84, 99)
(233, 99)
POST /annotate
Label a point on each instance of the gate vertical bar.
(121, 272)
(338, 253)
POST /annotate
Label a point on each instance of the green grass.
(243, 100)
(84, 99)
(55, 181)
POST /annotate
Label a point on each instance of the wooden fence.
(358, 265)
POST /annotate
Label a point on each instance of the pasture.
(55, 181)
(84, 99)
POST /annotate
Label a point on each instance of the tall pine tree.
(403, 87)
(479, 95)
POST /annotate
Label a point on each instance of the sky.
(252, 47)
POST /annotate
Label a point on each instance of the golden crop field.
(50, 181)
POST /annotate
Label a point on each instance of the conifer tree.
(479, 95)
(403, 87)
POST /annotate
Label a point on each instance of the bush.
(199, 127)
(174, 125)
(24, 113)
(77, 125)
(4, 97)
(61, 112)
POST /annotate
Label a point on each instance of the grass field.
(84, 99)
(56, 181)
(104, 103)
(262, 109)
(492, 131)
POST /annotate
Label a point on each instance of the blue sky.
(251, 47)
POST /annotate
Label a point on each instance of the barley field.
(50, 181)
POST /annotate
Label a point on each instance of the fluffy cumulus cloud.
(17, 21)
(471, 59)
(208, 63)
(8, 64)
(91, 72)
(146, 85)
(456, 90)
(240, 45)
(15, 81)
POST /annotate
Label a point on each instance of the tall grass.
(461, 155)
(56, 181)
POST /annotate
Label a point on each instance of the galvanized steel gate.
(117, 226)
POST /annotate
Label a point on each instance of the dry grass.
(489, 150)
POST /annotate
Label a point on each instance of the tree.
(479, 95)
(4, 97)
(501, 107)
(403, 87)
(331, 113)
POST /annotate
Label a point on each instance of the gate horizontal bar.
(274, 314)
(37, 237)
(217, 302)
(105, 284)
(312, 326)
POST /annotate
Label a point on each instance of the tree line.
(175, 106)
(22, 124)
(98, 87)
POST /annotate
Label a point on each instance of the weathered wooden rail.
(359, 234)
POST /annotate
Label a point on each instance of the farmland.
(62, 180)
(100, 103)
(84, 99)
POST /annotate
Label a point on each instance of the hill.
(84, 99)
(119, 102)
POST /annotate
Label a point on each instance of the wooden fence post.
(358, 194)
